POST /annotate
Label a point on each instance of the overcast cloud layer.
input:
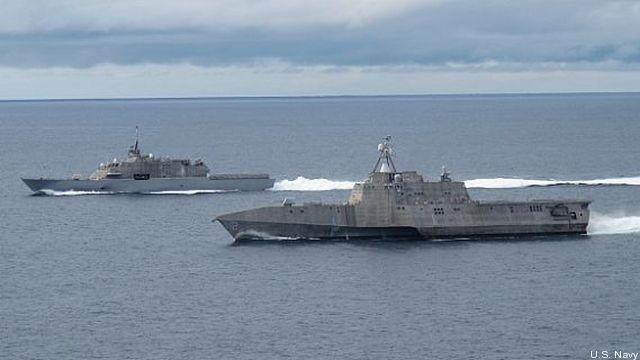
(369, 42)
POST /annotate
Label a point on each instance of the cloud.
(41, 16)
(59, 33)
(506, 44)
(283, 79)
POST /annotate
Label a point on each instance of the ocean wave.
(303, 184)
(601, 224)
(186, 192)
(48, 192)
(506, 183)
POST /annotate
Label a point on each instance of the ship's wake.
(507, 183)
(601, 224)
(187, 192)
(48, 192)
(304, 184)
(320, 184)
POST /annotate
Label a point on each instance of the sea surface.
(100, 276)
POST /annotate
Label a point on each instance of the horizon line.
(276, 97)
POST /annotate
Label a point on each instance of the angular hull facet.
(247, 231)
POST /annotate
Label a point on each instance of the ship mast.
(385, 163)
(133, 149)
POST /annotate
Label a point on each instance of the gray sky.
(156, 48)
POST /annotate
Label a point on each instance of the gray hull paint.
(246, 230)
(249, 231)
(151, 185)
(399, 205)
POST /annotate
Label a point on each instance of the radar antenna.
(385, 163)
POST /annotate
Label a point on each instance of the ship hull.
(149, 186)
(251, 230)
(248, 230)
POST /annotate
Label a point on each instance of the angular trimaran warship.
(144, 173)
(401, 205)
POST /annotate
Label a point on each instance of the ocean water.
(151, 277)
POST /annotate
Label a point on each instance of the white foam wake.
(505, 183)
(71, 192)
(600, 224)
(176, 192)
(187, 192)
(304, 184)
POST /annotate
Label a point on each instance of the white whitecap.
(49, 192)
(601, 224)
(187, 192)
(304, 184)
(506, 183)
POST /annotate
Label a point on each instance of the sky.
(192, 48)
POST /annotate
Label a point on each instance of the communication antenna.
(385, 163)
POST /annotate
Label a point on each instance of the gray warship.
(392, 205)
(144, 173)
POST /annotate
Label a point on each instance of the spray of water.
(71, 193)
(304, 184)
(619, 223)
(79, 193)
(505, 183)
